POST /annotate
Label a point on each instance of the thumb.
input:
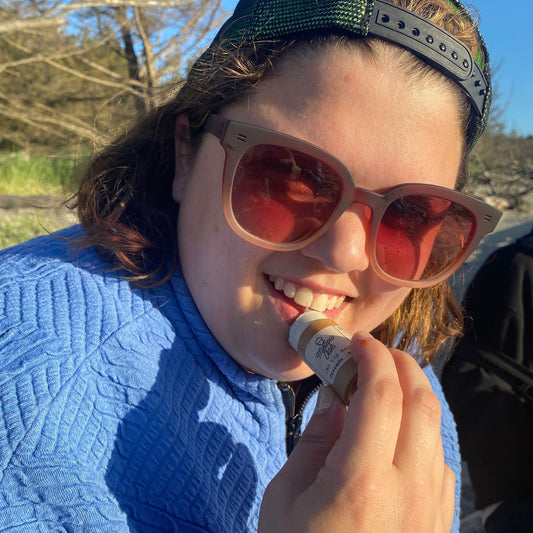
(309, 456)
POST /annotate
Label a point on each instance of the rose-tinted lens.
(420, 236)
(282, 195)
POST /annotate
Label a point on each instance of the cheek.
(216, 262)
(200, 214)
(389, 300)
(199, 227)
(395, 300)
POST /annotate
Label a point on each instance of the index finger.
(375, 413)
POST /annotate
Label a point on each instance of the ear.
(183, 156)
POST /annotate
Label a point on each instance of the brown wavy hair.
(125, 199)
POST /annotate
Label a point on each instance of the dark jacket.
(482, 379)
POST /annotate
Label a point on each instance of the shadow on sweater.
(171, 471)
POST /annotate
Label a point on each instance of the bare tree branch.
(93, 79)
(18, 25)
(79, 68)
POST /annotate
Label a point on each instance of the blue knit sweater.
(119, 411)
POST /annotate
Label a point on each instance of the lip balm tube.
(325, 347)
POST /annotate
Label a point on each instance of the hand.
(377, 466)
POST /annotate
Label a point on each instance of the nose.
(343, 248)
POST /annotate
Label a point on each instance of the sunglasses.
(283, 193)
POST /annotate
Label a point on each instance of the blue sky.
(506, 27)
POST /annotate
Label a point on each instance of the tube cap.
(301, 324)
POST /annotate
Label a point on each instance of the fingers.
(419, 452)
(392, 432)
(377, 466)
(394, 414)
(375, 413)
(302, 467)
(419, 439)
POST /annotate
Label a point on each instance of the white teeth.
(320, 303)
(305, 297)
(289, 290)
(340, 299)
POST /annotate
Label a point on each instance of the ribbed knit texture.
(119, 411)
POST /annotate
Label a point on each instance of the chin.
(270, 355)
(296, 372)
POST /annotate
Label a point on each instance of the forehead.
(366, 110)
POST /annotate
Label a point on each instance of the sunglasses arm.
(216, 125)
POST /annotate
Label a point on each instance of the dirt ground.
(22, 218)
(36, 205)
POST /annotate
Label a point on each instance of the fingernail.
(325, 399)
(362, 337)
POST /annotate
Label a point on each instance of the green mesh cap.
(257, 20)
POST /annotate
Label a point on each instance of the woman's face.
(386, 129)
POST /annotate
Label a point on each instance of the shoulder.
(45, 260)
(47, 287)
(41, 284)
(44, 291)
(79, 349)
(59, 305)
(74, 333)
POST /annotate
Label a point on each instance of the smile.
(306, 297)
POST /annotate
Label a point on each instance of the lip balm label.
(327, 351)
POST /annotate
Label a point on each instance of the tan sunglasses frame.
(238, 137)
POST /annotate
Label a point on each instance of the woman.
(156, 389)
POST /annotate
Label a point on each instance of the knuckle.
(389, 392)
(369, 486)
(425, 401)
